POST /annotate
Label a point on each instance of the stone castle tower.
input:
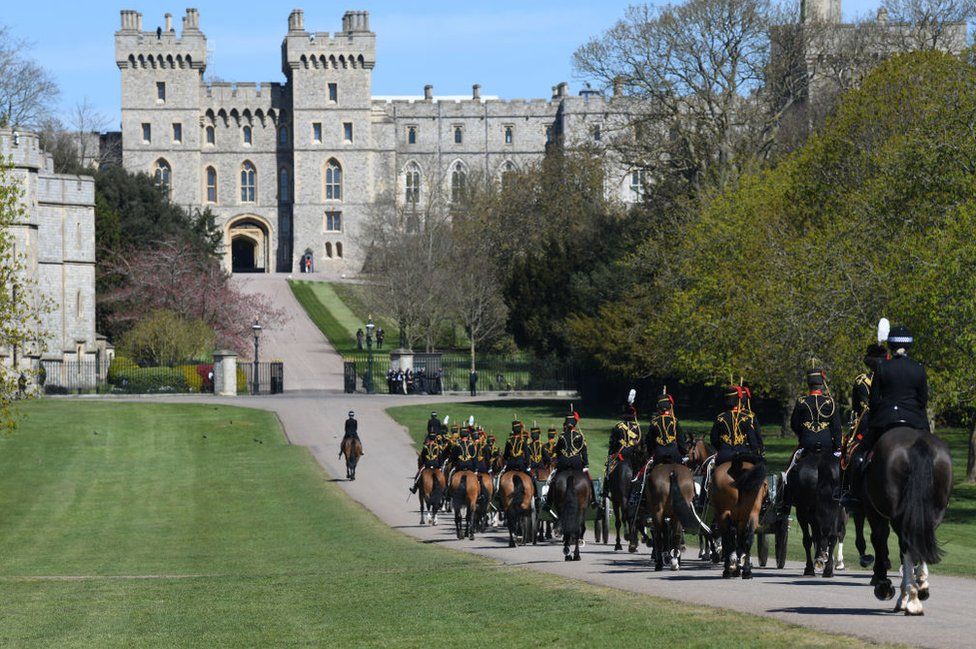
(292, 169)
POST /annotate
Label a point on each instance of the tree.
(164, 338)
(20, 308)
(27, 91)
(930, 24)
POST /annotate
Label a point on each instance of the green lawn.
(958, 532)
(335, 320)
(198, 526)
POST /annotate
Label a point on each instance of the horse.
(619, 484)
(517, 492)
(737, 493)
(465, 492)
(697, 455)
(352, 449)
(432, 485)
(906, 486)
(541, 474)
(484, 500)
(814, 480)
(570, 495)
(670, 495)
(865, 559)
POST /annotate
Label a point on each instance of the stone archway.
(249, 241)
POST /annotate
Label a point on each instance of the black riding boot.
(850, 492)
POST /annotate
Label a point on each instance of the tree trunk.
(971, 461)
(472, 354)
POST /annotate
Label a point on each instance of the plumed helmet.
(873, 355)
(464, 432)
(900, 337)
(551, 432)
(517, 425)
(630, 412)
(535, 431)
(815, 377)
(733, 394)
(665, 402)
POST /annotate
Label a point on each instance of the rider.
(816, 423)
(624, 438)
(734, 432)
(538, 454)
(352, 429)
(551, 440)
(481, 447)
(431, 457)
(433, 424)
(665, 442)
(571, 451)
(899, 398)
(516, 456)
(464, 456)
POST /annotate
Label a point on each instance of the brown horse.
(670, 495)
(465, 492)
(737, 493)
(432, 486)
(570, 496)
(907, 486)
(517, 491)
(697, 454)
(352, 449)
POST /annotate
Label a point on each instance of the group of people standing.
(407, 381)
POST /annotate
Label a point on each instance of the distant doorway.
(242, 251)
(308, 262)
(249, 245)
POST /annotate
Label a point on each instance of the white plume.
(883, 328)
(631, 396)
(471, 420)
(447, 418)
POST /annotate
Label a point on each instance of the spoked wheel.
(782, 537)
(762, 548)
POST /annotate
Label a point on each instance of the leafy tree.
(164, 338)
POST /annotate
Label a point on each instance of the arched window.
(412, 183)
(247, 135)
(508, 173)
(283, 136)
(162, 174)
(211, 136)
(333, 180)
(284, 186)
(458, 178)
(328, 249)
(249, 176)
(339, 249)
(211, 185)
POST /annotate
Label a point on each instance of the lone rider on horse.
(571, 451)
(352, 429)
(816, 423)
(899, 396)
(665, 443)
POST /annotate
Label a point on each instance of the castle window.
(508, 173)
(248, 182)
(177, 133)
(411, 135)
(317, 132)
(339, 249)
(146, 133)
(333, 222)
(597, 135)
(458, 134)
(509, 134)
(412, 183)
(328, 249)
(162, 174)
(284, 187)
(247, 135)
(347, 132)
(333, 181)
(637, 184)
(333, 92)
(161, 91)
(211, 135)
(78, 306)
(211, 185)
(458, 178)
(283, 136)
(548, 135)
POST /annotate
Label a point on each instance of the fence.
(496, 373)
(126, 377)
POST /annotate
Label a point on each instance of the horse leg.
(658, 536)
(830, 543)
(807, 546)
(839, 563)
(922, 580)
(862, 547)
(457, 522)
(677, 536)
(470, 524)
(908, 601)
(747, 533)
(616, 523)
(423, 519)
(727, 541)
(510, 523)
(883, 589)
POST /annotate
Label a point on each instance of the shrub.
(120, 365)
(147, 380)
(164, 338)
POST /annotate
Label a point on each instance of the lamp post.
(369, 355)
(256, 330)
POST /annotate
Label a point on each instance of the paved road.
(844, 604)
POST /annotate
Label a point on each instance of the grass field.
(958, 532)
(329, 313)
(198, 526)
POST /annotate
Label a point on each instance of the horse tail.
(518, 494)
(915, 513)
(748, 479)
(828, 511)
(436, 497)
(680, 506)
(569, 511)
(461, 493)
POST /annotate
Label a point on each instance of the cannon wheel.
(782, 538)
(762, 548)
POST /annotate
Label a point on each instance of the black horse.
(906, 487)
(618, 486)
(820, 516)
(570, 496)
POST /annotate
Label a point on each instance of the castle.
(55, 240)
(291, 169)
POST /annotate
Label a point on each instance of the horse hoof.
(809, 571)
(568, 558)
(576, 557)
(658, 567)
(618, 548)
(511, 544)
(840, 567)
(675, 565)
(883, 590)
(866, 560)
(726, 574)
(828, 574)
(632, 549)
(747, 574)
(471, 537)
(923, 594)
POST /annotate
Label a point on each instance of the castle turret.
(821, 11)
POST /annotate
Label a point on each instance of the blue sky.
(512, 48)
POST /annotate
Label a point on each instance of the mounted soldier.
(464, 456)
(433, 424)
(899, 396)
(735, 431)
(571, 451)
(516, 455)
(551, 438)
(665, 443)
(352, 428)
(538, 454)
(431, 457)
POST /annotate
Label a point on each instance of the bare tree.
(929, 24)
(27, 91)
(87, 125)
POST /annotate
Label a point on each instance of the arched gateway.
(248, 237)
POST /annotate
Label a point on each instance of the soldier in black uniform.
(516, 456)
(352, 428)
(571, 451)
(431, 457)
(665, 442)
(899, 398)
(433, 424)
(735, 430)
(816, 424)
(464, 456)
(538, 454)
